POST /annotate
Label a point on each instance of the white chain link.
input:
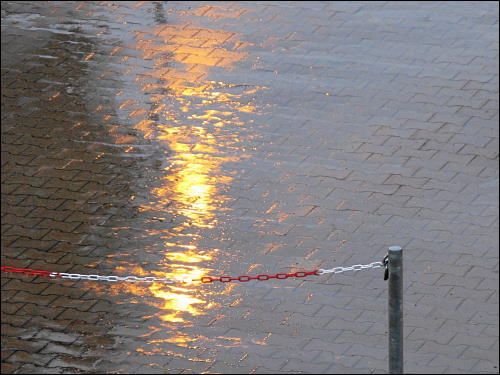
(129, 279)
(356, 267)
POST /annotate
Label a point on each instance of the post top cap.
(395, 248)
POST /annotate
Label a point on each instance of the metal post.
(395, 310)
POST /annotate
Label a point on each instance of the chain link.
(356, 267)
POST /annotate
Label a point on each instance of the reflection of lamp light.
(175, 300)
(190, 186)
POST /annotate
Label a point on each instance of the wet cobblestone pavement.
(192, 138)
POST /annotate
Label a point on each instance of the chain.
(204, 279)
(77, 276)
(128, 279)
(27, 271)
(356, 267)
(263, 277)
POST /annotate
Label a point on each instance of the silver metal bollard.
(395, 267)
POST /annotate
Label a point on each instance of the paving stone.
(34, 358)
(22, 296)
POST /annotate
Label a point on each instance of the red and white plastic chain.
(203, 279)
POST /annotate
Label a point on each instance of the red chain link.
(263, 277)
(28, 271)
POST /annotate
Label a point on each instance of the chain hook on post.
(386, 266)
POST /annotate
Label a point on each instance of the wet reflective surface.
(146, 95)
(172, 93)
(182, 139)
(194, 121)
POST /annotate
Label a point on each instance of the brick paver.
(249, 137)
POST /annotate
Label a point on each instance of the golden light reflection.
(192, 117)
(217, 12)
(191, 184)
(178, 300)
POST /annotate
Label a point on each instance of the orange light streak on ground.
(182, 56)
